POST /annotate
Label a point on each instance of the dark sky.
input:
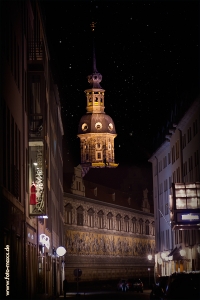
(147, 53)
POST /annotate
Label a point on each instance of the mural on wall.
(87, 243)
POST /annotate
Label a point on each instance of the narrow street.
(111, 295)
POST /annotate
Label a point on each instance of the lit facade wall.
(106, 241)
(30, 179)
(182, 150)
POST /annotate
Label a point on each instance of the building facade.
(176, 177)
(31, 158)
(107, 236)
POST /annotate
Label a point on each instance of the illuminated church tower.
(96, 129)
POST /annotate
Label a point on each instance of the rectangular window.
(169, 158)
(79, 219)
(141, 228)
(160, 166)
(100, 222)
(127, 226)
(134, 227)
(189, 133)
(147, 229)
(69, 217)
(177, 149)
(98, 155)
(118, 223)
(110, 223)
(91, 220)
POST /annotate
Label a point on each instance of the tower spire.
(92, 25)
(95, 78)
(94, 59)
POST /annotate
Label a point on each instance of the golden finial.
(92, 25)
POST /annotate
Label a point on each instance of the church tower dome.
(96, 129)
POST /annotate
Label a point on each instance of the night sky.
(148, 55)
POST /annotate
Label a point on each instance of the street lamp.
(60, 251)
(150, 258)
(149, 275)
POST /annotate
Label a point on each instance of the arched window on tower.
(68, 213)
(110, 220)
(118, 222)
(80, 211)
(100, 219)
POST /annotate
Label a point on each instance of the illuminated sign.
(190, 217)
(184, 205)
(37, 179)
(44, 240)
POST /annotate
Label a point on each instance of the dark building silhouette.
(31, 157)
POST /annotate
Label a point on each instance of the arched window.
(100, 219)
(141, 226)
(80, 211)
(110, 220)
(91, 217)
(118, 222)
(147, 227)
(126, 223)
(68, 213)
(134, 220)
(153, 228)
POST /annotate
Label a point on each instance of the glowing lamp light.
(60, 251)
(166, 258)
(149, 257)
(163, 255)
(182, 252)
(44, 240)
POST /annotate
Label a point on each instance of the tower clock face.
(84, 126)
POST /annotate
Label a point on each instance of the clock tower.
(96, 129)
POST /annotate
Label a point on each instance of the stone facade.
(104, 240)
